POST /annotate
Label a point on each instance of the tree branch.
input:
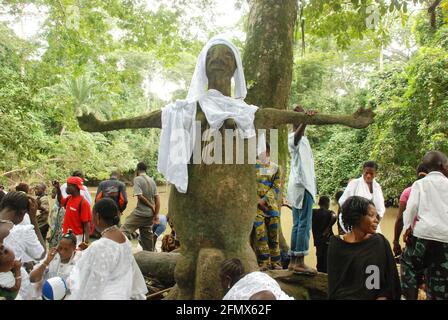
(270, 118)
(90, 123)
(265, 118)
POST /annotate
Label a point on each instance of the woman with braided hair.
(361, 265)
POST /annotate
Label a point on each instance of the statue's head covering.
(199, 82)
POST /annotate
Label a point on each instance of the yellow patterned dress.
(267, 221)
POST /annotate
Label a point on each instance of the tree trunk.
(268, 62)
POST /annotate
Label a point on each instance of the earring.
(228, 287)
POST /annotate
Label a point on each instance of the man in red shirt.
(78, 215)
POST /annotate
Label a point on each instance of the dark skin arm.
(57, 187)
(332, 222)
(37, 274)
(146, 202)
(86, 230)
(398, 228)
(155, 218)
(300, 131)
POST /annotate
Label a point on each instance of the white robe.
(358, 187)
(179, 132)
(107, 270)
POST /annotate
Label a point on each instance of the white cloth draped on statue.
(178, 119)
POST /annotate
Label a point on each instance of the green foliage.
(409, 97)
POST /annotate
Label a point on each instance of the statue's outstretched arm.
(90, 123)
(270, 118)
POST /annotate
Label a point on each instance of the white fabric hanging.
(178, 119)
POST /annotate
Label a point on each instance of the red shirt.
(73, 219)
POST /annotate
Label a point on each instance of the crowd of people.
(359, 260)
(39, 243)
(78, 240)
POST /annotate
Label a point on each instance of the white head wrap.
(199, 81)
(178, 119)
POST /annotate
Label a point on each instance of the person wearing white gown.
(107, 269)
(367, 187)
(252, 286)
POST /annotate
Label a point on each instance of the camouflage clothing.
(426, 257)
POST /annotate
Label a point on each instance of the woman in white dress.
(107, 269)
(252, 286)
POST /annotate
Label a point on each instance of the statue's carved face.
(220, 61)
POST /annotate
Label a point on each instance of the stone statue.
(214, 217)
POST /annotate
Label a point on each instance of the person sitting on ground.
(361, 265)
(170, 241)
(10, 274)
(78, 216)
(107, 269)
(159, 227)
(323, 221)
(426, 223)
(253, 286)
(58, 263)
(43, 208)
